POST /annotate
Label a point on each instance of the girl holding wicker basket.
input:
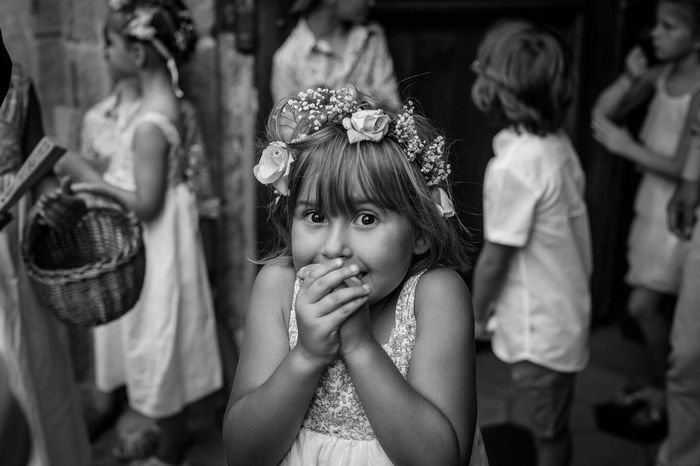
(170, 356)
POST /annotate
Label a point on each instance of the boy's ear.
(420, 245)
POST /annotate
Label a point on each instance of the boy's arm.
(437, 399)
(489, 276)
(685, 200)
(273, 386)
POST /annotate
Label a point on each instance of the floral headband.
(140, 27)
(320, 107)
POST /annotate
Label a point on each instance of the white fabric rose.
(366, 125)
(444, 203)
(274, 167)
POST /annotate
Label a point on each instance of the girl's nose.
(655, 32)
(336, 244)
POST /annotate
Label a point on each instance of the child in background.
(170, 354)
(32, 347)
(358, 327)
(654, 253)
(533, 271)
(100, 141)
(331, 46)
(681, 446)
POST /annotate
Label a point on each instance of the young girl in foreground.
(359, 341)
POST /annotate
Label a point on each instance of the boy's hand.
(614, 138)
(356, 331)
(681, 209)
(636, 63)
(60, 208)
(322, 305)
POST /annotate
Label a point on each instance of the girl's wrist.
(627, 78)
(359, 347)
(306, 362)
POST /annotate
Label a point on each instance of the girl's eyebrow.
(305, 203)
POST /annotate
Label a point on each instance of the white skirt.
(165, 349)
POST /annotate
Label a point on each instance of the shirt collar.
(309, 42)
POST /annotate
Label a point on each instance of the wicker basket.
(93, 273)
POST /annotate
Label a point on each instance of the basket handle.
(100, 191)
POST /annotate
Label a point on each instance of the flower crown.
(316, 108)
(145, 31)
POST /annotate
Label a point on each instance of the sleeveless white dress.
(336, 430)
(653, 252)
(165, 349)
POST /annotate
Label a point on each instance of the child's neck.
(324, 24)
(155, 84)
(684, 75)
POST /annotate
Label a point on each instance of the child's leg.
(547, 396)
(173, 437)
(645, 307)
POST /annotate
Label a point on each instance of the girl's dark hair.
(327, 164)
(524, 76)
(172, 21)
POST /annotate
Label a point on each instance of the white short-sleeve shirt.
(533, 200)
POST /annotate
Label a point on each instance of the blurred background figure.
(165, 350)
(654, 253)
(332, 46)
(32, 344)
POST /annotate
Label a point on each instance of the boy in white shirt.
(533, 271)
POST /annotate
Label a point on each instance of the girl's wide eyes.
(366, 219)
(315, 217)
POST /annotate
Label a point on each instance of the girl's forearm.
(260, 427)
(391, 404)
(665, 166)
(610, 100)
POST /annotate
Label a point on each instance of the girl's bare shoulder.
(444, 289)
(277, 278)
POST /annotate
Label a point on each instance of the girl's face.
(120, 61)
(379, 241)
(672, 35)
(353, 11)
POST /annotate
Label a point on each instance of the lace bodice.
(121, 169)
(335, 408)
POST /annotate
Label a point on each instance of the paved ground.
(614, 361)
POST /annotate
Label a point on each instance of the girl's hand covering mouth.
(304, 272)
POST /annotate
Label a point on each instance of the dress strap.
(405, 306)
(161, 121)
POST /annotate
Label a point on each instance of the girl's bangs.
(344, 177)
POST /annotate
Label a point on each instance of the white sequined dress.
(336, 430)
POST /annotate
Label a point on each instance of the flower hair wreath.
(320, 107)
(140, 27)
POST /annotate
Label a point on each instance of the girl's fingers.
(318, 285)
(311, 272)
(340, 315)
(341, 297)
